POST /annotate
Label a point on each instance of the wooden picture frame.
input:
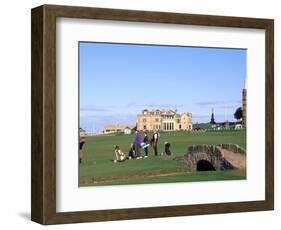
(43, 189)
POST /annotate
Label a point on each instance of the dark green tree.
(81, 130)
(238, 113)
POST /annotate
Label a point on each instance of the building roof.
(129, 127)
(162, 112)
(114, 127)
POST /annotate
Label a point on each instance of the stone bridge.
(221, 156)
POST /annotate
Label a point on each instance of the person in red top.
(120, 155)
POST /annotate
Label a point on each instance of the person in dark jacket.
(146, 141)
(132, 153)
(167, 148)
(81, 154)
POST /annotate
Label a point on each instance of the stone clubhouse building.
(163, 120)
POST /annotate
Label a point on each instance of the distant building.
(163, 120)
(128, 130)
(113, 129)
(226, 125)
(244, 105)
(82, 132)
(238, 126)
(117, 129)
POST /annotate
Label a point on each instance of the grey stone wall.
(212, 153)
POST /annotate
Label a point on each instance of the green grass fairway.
(97, 165)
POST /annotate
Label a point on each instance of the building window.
(179, 126)
(179, 121)
(156, 120)
(144, 127)
(144, 120)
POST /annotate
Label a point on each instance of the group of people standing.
(142, 141)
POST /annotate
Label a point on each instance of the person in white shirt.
(154, 142)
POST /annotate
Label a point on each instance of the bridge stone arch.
(222, 156)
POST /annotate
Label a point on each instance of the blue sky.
(117, 81)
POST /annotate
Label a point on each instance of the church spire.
(212, 117)
(245, 84)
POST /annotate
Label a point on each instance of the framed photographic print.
(140, 114)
